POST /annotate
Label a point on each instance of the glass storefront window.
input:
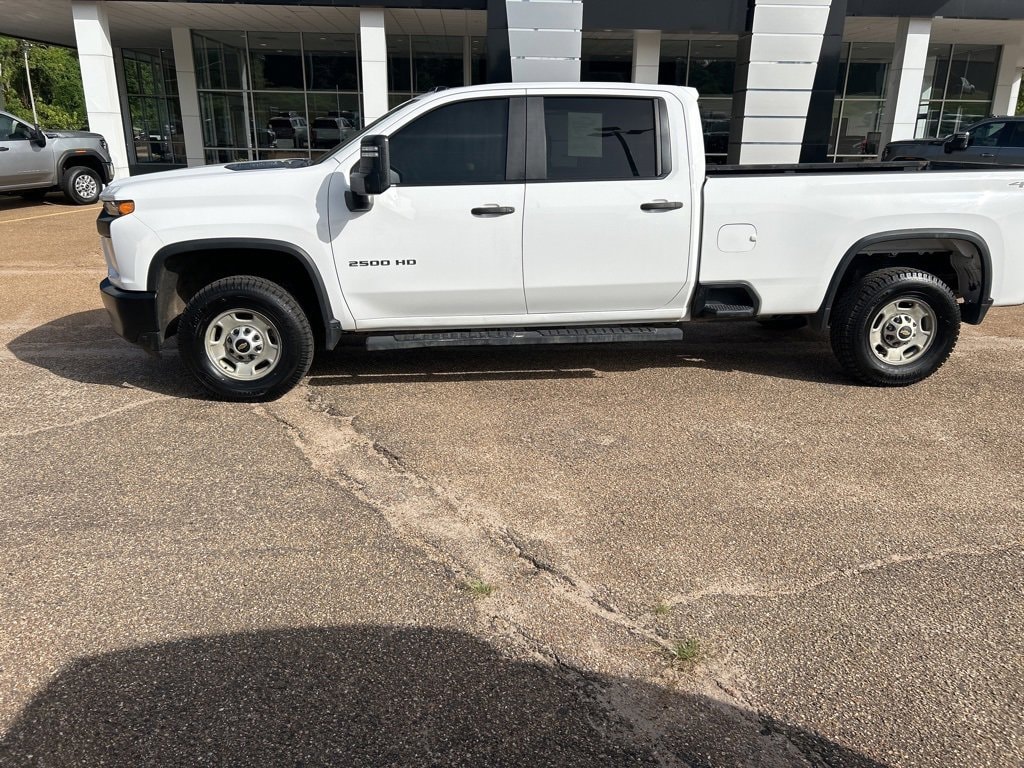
(710, 67)
(275, 61)
(399, 64)
(276, 95)
(153, 107)
(607, 60)
(958, 86)
(219, 59)
(332, 62)
(478, 50)
(436, 62)
(860, 101)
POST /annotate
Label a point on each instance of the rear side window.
(461, 143)
(601, 138)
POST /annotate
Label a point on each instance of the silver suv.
(33, 161)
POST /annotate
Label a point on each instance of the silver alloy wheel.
(902, 331)
(243, 345)
(86, 186)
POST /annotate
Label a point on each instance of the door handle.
(661, 205)
(987, 154)
(4, 149)
(493, 210)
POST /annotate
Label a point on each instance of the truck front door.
(445, 241)
(22, 163)
(608, 207)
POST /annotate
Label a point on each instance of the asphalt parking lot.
(714, 552)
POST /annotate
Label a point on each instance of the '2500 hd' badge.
(384, 263)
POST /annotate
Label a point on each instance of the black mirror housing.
(38, 137)
(373, 176)
(958, 142)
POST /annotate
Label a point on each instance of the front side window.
(600, 138)
(987, 135)
(13, 130)
(462, 143)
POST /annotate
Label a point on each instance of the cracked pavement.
(187, 582)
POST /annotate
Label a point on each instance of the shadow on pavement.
(368, 696)
(83, 347)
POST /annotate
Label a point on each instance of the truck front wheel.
(895, 327)
(82, 185)
(244, 338)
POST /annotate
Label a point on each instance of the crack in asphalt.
(85, 419)
(842, 574)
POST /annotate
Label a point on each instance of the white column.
(784, 47)
(1004, 101)
(99, 81)
(373, 49)
(906, 80)
(188, 96)
(646, 56)
(545, 40)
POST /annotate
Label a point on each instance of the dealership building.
(176, 82)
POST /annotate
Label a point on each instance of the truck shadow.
(84, 348)
(370, 695)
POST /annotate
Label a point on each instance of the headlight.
(118, 207)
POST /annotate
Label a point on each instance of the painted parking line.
(48, 215)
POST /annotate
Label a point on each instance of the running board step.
(523, 337)
(726, 311)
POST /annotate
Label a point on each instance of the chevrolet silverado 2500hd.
(547, 213)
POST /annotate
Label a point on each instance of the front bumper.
(133, 314)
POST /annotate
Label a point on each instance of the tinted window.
(600, 138)
(463, 143)
(1016, 139)
(11, 129)
(987, 135)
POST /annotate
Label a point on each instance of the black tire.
(35, 195)
(82, 185)
(274, 319)
(860, 313)
(783, 322)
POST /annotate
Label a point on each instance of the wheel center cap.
(244, 343)
(906, 333)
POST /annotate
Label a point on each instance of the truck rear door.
(608, 207)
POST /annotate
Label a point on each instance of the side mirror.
(958, 142)
(38, 137)
(372, 175)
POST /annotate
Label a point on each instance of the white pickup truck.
(550, 213)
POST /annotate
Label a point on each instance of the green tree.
(56, 82)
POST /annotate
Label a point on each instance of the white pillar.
(99, 81)
(784, 47)
(1004, 101)
(545, 40)
(906, 80)
(646, 56)
(188, 96)
(373, 48)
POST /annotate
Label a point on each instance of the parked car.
(549, 214)
(331, 131)
(34, 162)
(994, 141)
(290, 131)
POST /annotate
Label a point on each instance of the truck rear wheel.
(82, 185)
(895, 327)
(244, 338)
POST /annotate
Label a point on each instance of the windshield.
(366, 130)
